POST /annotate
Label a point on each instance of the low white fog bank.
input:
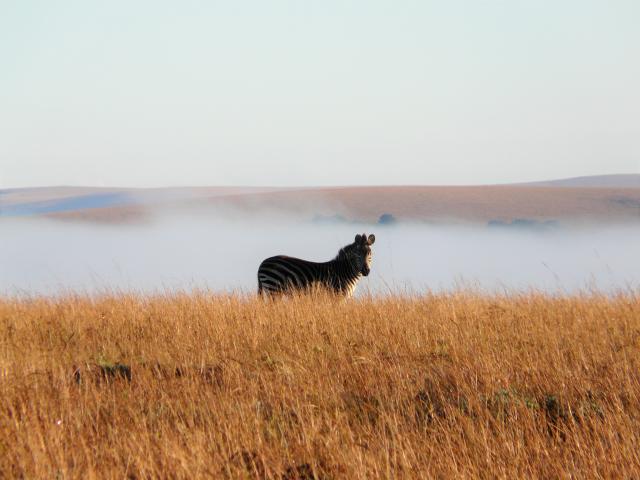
(49, 257)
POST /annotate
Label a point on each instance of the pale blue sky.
(151, 93)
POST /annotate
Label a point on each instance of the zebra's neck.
(344, 273)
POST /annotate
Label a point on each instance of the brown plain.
(205, 386)
(470, 204)
(421, 203)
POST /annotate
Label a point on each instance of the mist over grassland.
(222, 253)
(509, 369)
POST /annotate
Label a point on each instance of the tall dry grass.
(199, 385)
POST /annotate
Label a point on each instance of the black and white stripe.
(283, 274)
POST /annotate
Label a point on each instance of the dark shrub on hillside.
(524, 224)
(387, 219)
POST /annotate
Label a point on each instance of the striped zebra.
(282, 274)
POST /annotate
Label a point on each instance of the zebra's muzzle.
(365, 271)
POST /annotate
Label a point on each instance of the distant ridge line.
(622, 180)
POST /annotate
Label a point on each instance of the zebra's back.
(282, 273)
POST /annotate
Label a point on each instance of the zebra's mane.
(342, 253)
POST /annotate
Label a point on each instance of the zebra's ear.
(358, 238)
(371, 239)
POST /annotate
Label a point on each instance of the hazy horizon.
(186, 186)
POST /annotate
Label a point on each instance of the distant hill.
(54, 200)
(604, 199)
(630, 180)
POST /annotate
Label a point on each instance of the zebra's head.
(359, 253)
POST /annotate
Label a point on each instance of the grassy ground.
(187, 386)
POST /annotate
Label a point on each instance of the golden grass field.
(202, 385)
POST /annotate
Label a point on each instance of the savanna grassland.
(202, 385)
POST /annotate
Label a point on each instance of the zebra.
(282, 274)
